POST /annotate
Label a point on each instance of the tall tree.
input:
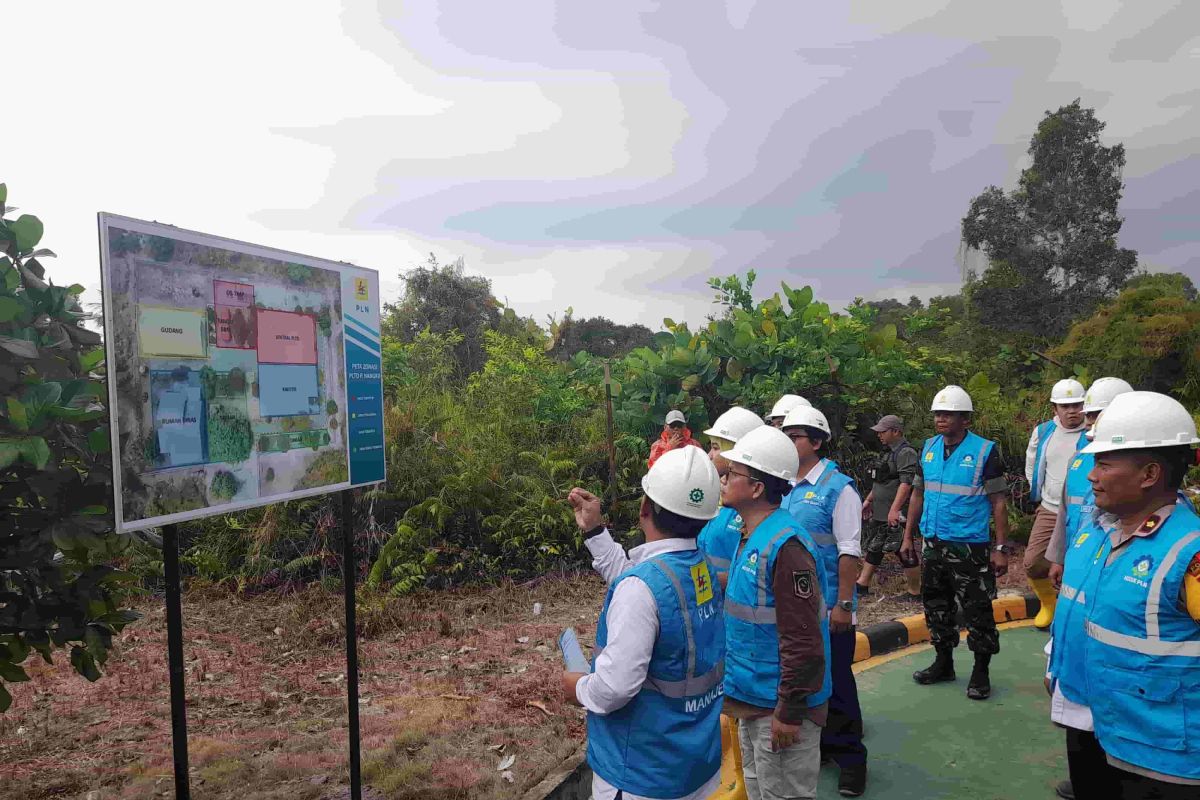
(1149, 335)
(443, 298)
(599, 336)
(1052, 243)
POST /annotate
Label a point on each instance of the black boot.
(853, 780)
(942, 668)
(980, 685)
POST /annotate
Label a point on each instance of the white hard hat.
(1134, 420)
(768, 450)
(952, 398)
(734, 424)
(1067, 391)
(685, 482)
(807, 416)
(675, 416)
(1102, 392)
(785, 404)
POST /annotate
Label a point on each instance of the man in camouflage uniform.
(886, 504)
(960, 488)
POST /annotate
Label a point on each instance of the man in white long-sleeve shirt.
(1052, 446)
(654, 694)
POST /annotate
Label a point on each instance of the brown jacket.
(798, 607)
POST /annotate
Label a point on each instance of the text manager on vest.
(653, 697)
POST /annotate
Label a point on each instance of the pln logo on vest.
(1141, 571)
(1083, 537)
(809, 495)
(702, 581)
(1076, 463)
(929, 456)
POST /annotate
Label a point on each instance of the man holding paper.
(654, 692)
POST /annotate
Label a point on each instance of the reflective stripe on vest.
(951, 488)
(1142, 650)
(752, 669)
(1083, 560)
(719, 538)
(673, 722)
(1079, 502)
(1045, 430)
(1152, 644)
(956, 508)
(1045, 433)
(812, 505)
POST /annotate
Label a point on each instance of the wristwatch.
(845, 605)
(1007, 549)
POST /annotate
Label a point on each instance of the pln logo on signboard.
(361, 289)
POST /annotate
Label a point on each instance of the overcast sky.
(606, 156)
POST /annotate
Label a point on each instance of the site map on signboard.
(230, 375)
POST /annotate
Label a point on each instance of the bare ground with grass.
(451, 684)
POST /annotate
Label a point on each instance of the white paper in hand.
(572, 653)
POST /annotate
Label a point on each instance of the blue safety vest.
(956, 507)
(666, 742)
(1079, 501)
(812, 506)
(1142, 651)
(718, 540)
(1044, 432)
(751, 637)
(1087, 549)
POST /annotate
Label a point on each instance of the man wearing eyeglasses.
(777, 680)
(826, 504)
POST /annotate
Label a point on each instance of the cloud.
(607, 157)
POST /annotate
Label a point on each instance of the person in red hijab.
(675, 434)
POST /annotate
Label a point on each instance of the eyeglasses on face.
(731, 471)
(795, 436)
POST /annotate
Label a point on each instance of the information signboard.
(239, 375)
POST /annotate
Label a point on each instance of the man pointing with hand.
(654, 694)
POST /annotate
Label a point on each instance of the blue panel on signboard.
(365, 427)
(179, 423)
(288, 390)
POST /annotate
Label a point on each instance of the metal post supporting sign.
(175, 660)
(178, 347)
(349, 573)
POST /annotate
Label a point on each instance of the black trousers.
(1093, 778)
(841, 738)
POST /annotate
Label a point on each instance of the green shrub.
(57, 587)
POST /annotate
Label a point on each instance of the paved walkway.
(931, 742)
